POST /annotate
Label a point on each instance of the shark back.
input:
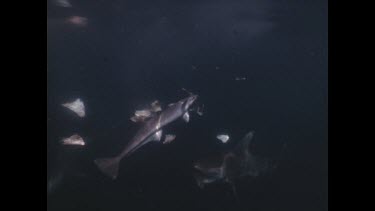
(152, 126)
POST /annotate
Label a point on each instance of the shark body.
(150, 131)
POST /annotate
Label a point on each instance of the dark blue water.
(130, 53)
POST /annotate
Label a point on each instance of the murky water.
(255, 65)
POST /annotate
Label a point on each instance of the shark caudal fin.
(109, 166)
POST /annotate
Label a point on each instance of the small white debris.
(142, 113)
(77, 21)
(63, 3)
(77, 107)
(223, 138)
(240, 78)
(134, 119)
(73, 140)
(169, 138)
(155, 106)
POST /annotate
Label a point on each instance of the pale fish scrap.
(77, 107)
(155, 106)
(240, 78)
(169, 138)
(63, 3)
(73, 140)
(223, 138)
(142, 115)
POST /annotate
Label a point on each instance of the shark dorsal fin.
(242, 147)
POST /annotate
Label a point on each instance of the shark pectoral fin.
(186, 117)
(169, 138)
(109, 166)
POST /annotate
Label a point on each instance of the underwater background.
(120, 55)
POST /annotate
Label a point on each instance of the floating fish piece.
(77, 20)
(223, 138)
(77, 107)
(134, 119)
(169, 138)
(110, 166)
(240, 78)
(138, 118)
(63, 3)
(75, 140)
(143, 113)
(155, 106)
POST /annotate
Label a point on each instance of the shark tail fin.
(109, 166)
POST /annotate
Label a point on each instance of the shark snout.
(190, 100)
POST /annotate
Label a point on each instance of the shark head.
(189, 101)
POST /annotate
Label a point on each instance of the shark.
(236, 163)
(150, 131)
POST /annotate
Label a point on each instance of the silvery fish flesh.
(223, 138)
(77, 107)
(73, 140)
